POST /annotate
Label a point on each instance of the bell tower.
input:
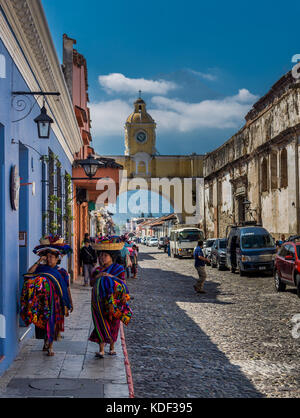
(140, 136)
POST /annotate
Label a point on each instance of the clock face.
(141, 136)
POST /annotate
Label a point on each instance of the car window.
(251, 240)
(291, 250)
(283, 251)
(223, 243)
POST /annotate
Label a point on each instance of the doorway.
(23, 218)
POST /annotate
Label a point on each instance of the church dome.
(140, 114)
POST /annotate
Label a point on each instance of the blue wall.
(14, 260)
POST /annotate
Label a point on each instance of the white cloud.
(206, 76)
(118, 83)
(108, 117)
(172, 114)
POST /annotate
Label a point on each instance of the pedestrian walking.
(200, 261)
(124, 259)
(110, 297)
(87, 259)
(169, 248)
(134, 261)
(46, 297)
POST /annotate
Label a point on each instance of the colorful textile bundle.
(35, 307)
(111, 242)
(53, 243)
(41, 306)
(45, 300)
(110, 297)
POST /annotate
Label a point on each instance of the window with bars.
(59, 205)
(51, 192)
(55, 195)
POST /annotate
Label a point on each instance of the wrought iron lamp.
(43, 122)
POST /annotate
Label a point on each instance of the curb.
(127, 364)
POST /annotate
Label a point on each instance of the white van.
(183, 240)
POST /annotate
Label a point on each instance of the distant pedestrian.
(200, 261)
(125, 260)
(88, 258)
(134, 261)
(169, 248)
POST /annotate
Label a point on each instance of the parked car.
(207, 246)
(147, 240)
(153, 242)
(250, 248)
(162, 243)
(287, 266)
(218, 253)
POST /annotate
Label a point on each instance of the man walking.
(88, 258)
(200, 261)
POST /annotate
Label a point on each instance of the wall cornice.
(33, 52)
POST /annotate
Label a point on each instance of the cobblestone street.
(234, 341)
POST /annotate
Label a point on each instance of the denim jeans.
(87, 272)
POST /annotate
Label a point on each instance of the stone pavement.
(73, 371)
(234, 341)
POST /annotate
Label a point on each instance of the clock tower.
(140, 131)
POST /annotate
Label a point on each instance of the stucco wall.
(30, 207)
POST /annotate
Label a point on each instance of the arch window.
(283, 169)
(142, 167)
(274, 178)
(264, 175)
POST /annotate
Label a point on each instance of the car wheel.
(213, 264)
(242, 273)
(279, 285)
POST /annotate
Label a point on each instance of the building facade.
(254, 176)
(35, 173)
(87, 217)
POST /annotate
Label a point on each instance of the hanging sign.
(22, 239)
(14, 187)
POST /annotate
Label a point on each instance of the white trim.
(2, 326)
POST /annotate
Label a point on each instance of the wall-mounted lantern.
(43, 121)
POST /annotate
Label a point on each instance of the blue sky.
(200, 65)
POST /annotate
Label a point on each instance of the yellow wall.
(166, 166)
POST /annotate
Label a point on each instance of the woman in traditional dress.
(109, 298)
(46, 297)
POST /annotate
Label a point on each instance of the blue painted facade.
(24, 152)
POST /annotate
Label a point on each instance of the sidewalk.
(73, 371)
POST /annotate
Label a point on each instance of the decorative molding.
(31, 47)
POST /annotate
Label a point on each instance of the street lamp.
(90, 166)
(43, 122)
(246, 204)
(25, 105)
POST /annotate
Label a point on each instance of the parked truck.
(183, 240)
